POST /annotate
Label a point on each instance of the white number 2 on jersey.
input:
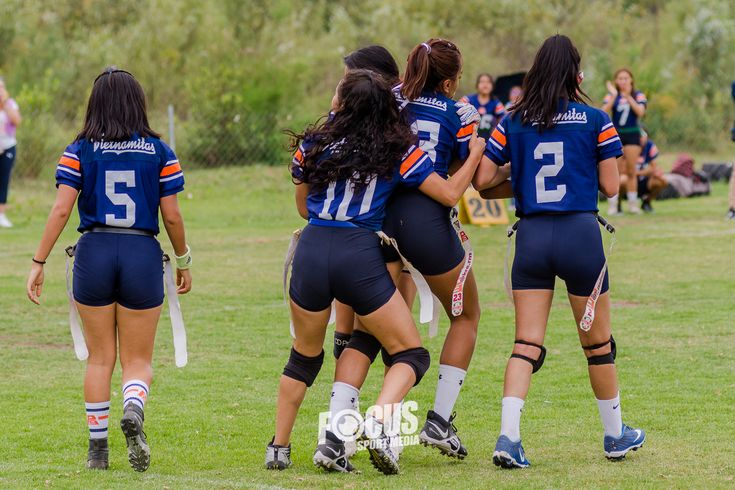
(126, 177)
(432, 128)
(556, 149)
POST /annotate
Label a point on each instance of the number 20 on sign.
(483, 212)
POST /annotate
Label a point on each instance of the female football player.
(122, 174)
(378, 59)
(345, 170)
(651, 178)
(627, 106)
(561, 151)
(491, 110)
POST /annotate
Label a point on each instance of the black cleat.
(731, 214)
(131, 423)
(646, 206)
(97, 456)
(442, 435)
(277, 457)
(332, 455)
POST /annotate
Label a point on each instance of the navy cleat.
(332, 455)
(630, 440)
(509, 454)
(442, 434)
(277, 457)
(97, 457)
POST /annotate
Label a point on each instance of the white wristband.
(183, 262)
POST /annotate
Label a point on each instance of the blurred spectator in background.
(515, 93)
(651, 179)
(490, 108)
(9, 121)
(731, 196)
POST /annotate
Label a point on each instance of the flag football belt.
(458, 293)
(174, 307)
(429, 312)
(589, 311)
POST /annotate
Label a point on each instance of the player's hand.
(467, 113)
(477, 144)
(35, 283)
(611, 88)
(183, 281)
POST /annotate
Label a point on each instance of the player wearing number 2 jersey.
(561, 151)
(121, 173)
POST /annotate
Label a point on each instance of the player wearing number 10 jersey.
(122, 173)
(562, 151)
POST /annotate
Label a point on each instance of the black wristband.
(39, 262)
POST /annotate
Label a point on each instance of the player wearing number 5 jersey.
(120, 173)
(561, 151)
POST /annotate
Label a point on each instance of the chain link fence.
(199, 140)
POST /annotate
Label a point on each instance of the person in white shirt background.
(9, 121)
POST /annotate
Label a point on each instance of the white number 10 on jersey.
(556, 149)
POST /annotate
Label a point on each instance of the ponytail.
(428, 65)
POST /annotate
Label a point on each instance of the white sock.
(510, 420)
(344, 397)
(447, 389)
(98, 414)
(610, 414)
(135, 391)
(613, 201)
(632, 198)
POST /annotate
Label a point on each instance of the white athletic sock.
(135, 391)
(610, 414)
(510, 420)
(632, 197)
(613, 202)
(344, 397)
(98, 414)
(447, 389)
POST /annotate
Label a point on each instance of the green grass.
(672, 290)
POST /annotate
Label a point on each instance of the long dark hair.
(428, 65)
(366, 138)
(375, 58)
(116, 109)
(554, 75)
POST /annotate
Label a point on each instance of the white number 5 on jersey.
(556, 149)
(126, 177)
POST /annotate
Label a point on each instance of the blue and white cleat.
(509, 454)
(631, 439)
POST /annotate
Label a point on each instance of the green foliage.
(239, 71)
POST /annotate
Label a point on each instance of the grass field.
(673, 291)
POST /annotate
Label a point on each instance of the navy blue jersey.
(490, 113)
(648, 155)
(341, 203)
(120, 183)
(441, 133)
(555, 171)
(624, 118)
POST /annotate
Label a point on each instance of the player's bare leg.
(599, 348)
(631, 153)
(136, 336)
(101, 339)
(459, 345)
(532, 315)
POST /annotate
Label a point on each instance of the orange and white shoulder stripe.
(465, 132)
(640, 97)
(69, 163)
(608, 134)
(298, 157)
(172, 170)
(497, 137)
(415, 156)
(499, 108)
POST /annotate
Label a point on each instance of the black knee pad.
(418, 358)
(340, 343)
(608, 358)
(365, 343)
(302, 368)
(536, 363)
(387, 358)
